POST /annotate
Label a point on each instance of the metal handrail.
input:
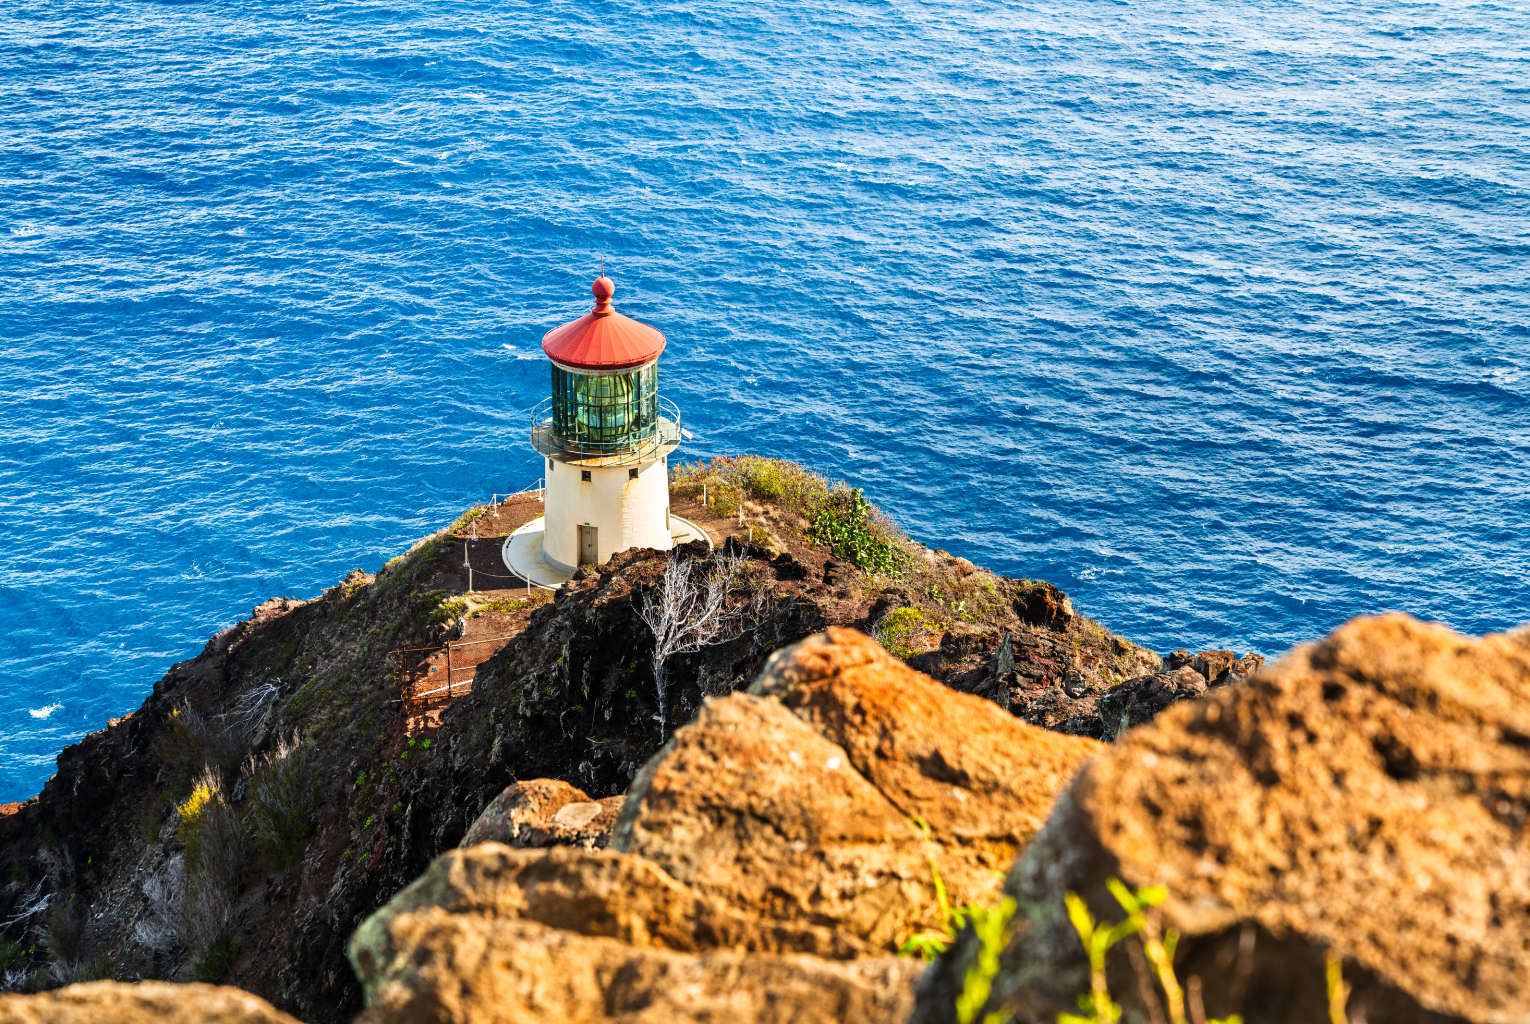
(536, 488)
(542, 424)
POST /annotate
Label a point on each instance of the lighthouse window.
(605, 412)
(584, 475)
(632, 472)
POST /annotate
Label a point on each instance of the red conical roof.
(603, 339)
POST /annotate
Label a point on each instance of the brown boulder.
(545, 812)
(802, 808)
(1039, 603)
(1213, 665)
(597, 893)
(148, 1002)
(983, 780)
(492, 934)
(1367, 796)
(472, 969)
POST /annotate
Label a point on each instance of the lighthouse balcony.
(606, 435)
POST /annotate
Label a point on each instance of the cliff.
(275, 790)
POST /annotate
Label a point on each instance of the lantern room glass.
(608, 412)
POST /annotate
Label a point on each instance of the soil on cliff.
(167, 847)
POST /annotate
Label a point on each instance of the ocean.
(1215, 314)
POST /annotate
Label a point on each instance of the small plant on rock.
(991, 928)
(900, 630)
(1098, 937)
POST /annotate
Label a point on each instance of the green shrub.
(208, 829)
(284, 796)
(845, 523)
(214, 841)
(191, 742)
(216, 958)
(100, 969)
(900, 630)
(64, 936)
(10, 952)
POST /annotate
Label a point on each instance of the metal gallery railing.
(546, 439)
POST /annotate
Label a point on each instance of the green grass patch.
(901, 630)
(837, 515)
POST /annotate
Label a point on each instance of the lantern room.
(605, 436)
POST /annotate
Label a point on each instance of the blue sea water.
(1212, 312)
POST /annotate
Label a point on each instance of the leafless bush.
(208, 911)
(697, 603)
(165, 895)
(29, 906)
(250, 707)
(283, 799)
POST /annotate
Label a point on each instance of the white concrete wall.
(628, 513)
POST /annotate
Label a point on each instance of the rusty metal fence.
(418, 690)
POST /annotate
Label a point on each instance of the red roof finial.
(603, 339)
(603, 289)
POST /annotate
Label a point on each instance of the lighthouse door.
(587, 547)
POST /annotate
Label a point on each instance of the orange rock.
(1368, 795)
(463, 969)
(148, 1002)
(545, 812)
(984, 780)
(597, 893)
(803, 808)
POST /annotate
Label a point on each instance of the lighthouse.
(605, 437)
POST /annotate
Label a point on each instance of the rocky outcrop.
(148, 1002)
(596, 893)
(545, 812)
(800, 801)
(1366, 798)
(765, 863)
(569, 696)
(459, 969)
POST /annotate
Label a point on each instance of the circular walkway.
(523, 553)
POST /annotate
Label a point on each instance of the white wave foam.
(43, 712)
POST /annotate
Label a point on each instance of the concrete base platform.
(523, 554)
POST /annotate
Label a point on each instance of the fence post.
(448, 671)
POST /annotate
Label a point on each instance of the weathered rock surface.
(1049, 677)
(545, 812)
(597, 893)
(1367, 796)
(983, 781)
(471, 969)
(493, 934)
(797, 802)
(148, 1002)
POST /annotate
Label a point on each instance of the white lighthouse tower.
(606, 437)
